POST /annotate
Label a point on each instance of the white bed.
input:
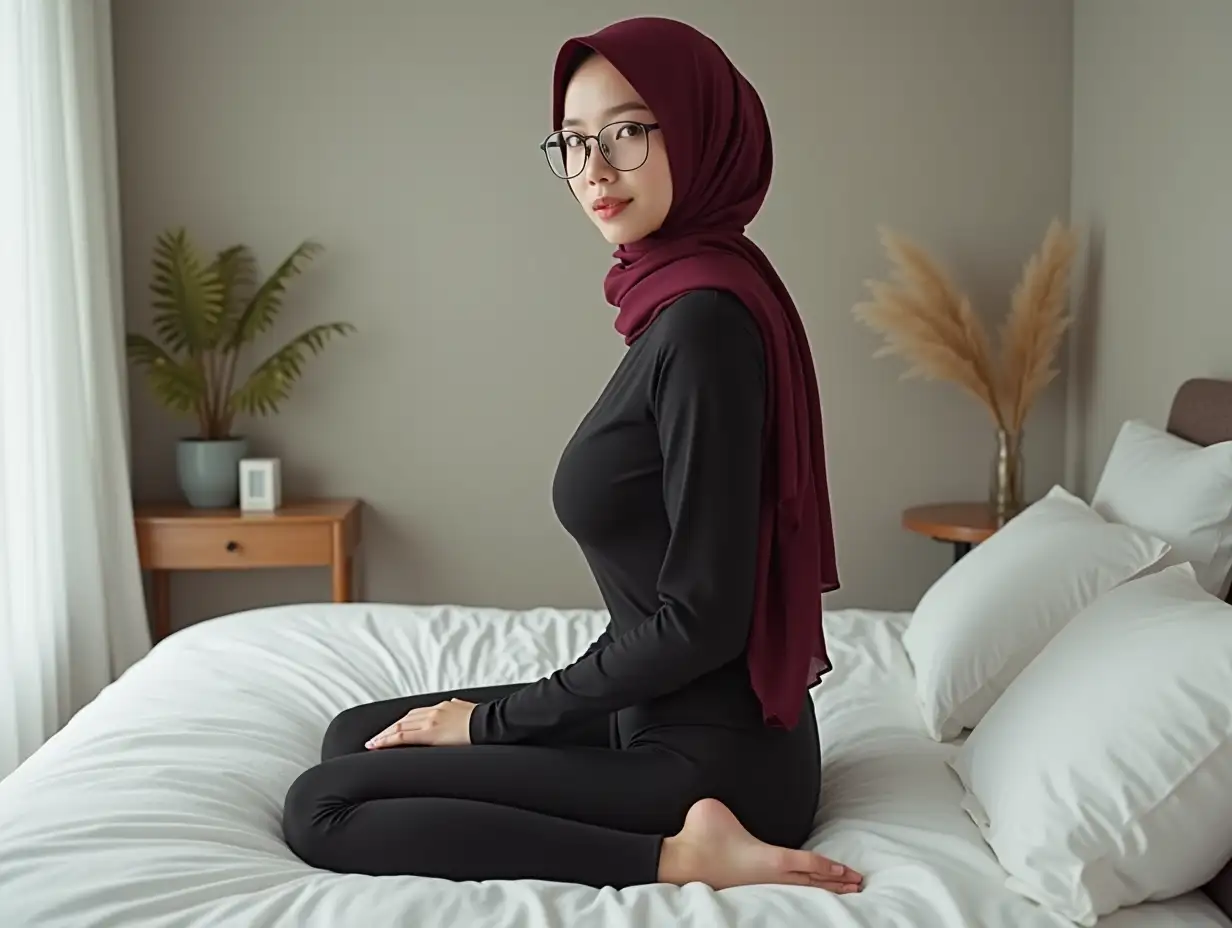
(160, 802)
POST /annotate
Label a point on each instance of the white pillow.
(988, 615)
(1103, 776)
(1175, 489)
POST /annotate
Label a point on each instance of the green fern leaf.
(188, 296)
(261, 310)
(270, 382)
(236, 270)
(178, 385)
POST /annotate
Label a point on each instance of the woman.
(682, 746)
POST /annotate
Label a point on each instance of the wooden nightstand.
(308, 533)
(961, 524)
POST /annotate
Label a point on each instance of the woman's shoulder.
(708, 321)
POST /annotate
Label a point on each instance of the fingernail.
(836, 868)
(370, 743)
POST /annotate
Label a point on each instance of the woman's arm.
(708, 400)
(604, 639)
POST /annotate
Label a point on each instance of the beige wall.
(403, 136)
(1153, 180)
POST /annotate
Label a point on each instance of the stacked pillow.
(1088, 652)
(989, 615)
(1177, 491)
(1102, 777)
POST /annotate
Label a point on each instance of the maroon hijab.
(718, 142)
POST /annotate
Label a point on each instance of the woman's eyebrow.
(610, 112)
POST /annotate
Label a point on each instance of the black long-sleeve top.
(660, 486)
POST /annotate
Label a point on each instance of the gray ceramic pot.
(209, 471)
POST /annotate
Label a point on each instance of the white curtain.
(72, 610)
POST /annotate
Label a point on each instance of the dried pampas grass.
(926, 320)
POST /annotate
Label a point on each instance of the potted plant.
(205, 314)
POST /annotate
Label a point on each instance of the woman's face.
(626, 204)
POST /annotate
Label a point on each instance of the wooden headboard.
(1202, 413)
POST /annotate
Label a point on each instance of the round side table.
(961, 524)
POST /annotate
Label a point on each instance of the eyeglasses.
(625, 146)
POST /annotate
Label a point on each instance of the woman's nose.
(597, 170)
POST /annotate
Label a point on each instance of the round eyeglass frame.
(647, 127)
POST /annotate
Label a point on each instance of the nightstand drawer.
(175, 545)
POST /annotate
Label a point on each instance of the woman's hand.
(444, 723)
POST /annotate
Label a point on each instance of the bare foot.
(715, 849)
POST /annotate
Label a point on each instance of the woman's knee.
(309, 811)
(347, 732)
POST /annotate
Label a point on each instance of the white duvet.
(160, 802)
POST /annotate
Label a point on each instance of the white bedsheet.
(160, 803)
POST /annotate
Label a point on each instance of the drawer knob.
(233, 545)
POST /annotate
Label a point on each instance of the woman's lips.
(609, 207)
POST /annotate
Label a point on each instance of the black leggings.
(570, 810)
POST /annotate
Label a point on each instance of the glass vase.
(1005, 495)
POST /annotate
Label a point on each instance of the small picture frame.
(260, 484)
